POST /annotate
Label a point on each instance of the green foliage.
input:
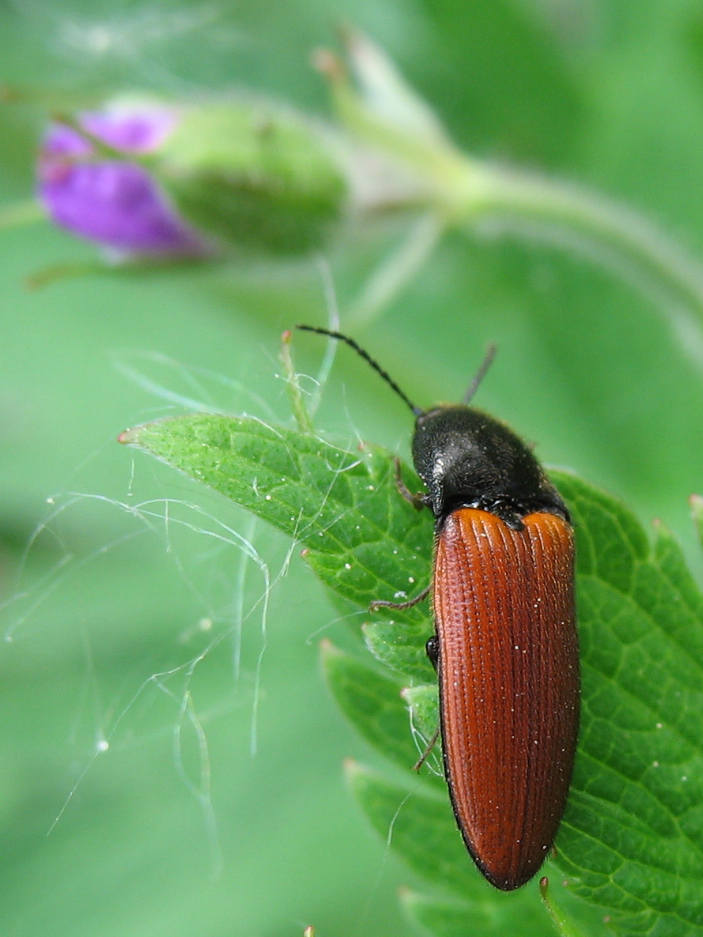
(631, 841)
(484, 915)
(603, 376)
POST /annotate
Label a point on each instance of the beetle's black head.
(468, 459)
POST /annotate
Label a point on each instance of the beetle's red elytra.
(506, 647)
(503, 604)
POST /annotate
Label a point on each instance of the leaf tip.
(327, 64)
(127, 437)
(328, 652)
(352, 769)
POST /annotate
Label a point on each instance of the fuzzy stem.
(300, 412)
(471, 193)
(534, 205)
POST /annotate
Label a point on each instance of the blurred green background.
(135, 665)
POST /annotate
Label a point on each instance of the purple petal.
(63, 141)
(116, 204)
(131, 131)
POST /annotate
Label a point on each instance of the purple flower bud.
(200, 178)
(109, 198)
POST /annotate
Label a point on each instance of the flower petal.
(128, 130)
(116, 204)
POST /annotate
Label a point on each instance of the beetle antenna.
(481, 373)
(367, 358)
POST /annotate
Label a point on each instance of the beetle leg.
(425, 755)
(418, 500)
(383, 603)
(432, 649)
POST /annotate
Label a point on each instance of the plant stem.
(302, 417)
(395, 271)
(566, 215)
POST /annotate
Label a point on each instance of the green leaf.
(481, 916)
(414, 822)
(361, 539)
(378, 706)
(456, 918)
(631, 841)
(371, 701)
(423, 702)
(632, 835)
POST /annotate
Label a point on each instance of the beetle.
(505, 647)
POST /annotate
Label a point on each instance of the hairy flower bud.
(146, 178)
